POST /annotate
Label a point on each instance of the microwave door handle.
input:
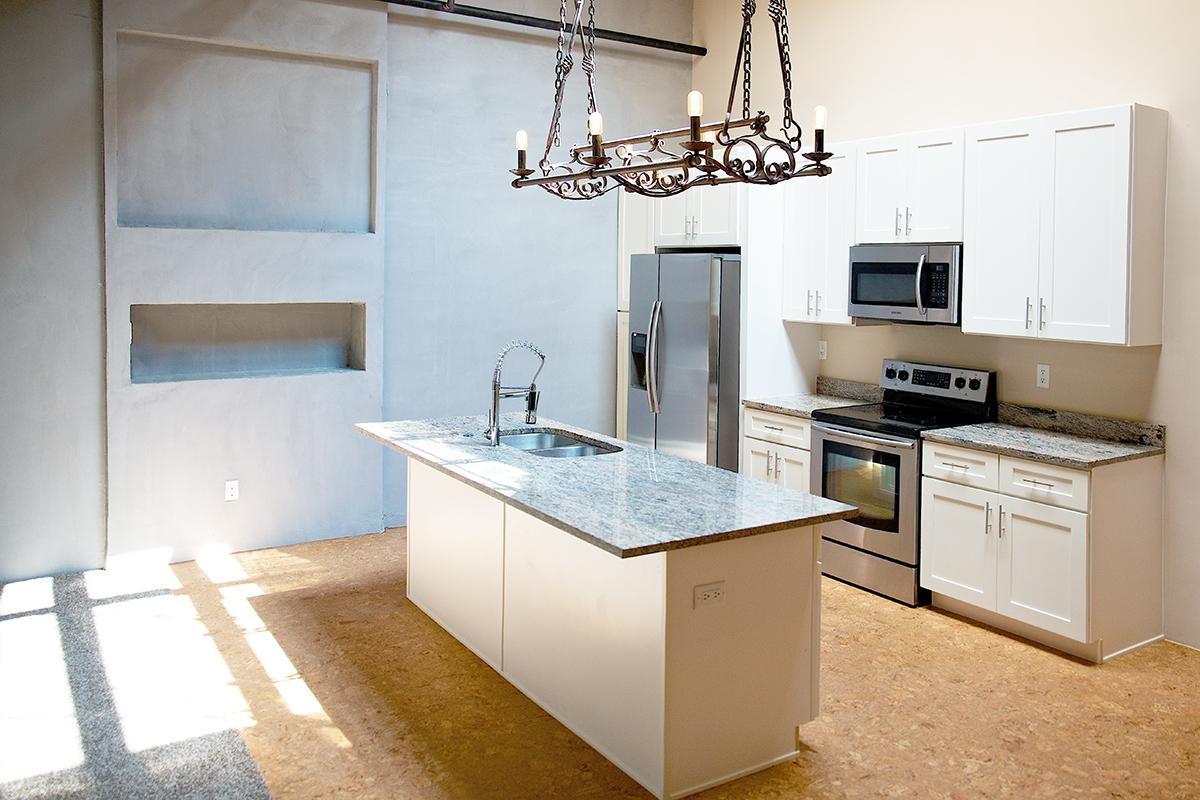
(920, 269)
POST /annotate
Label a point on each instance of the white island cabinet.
(665, 611)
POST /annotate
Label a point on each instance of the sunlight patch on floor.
(169, 682)
(38, 729)
(133, 573)
(25, 596)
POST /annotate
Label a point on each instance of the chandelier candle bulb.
(596, 124)
(695, 104)
(522, 148)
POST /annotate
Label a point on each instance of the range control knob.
(975, 384)
(960, 382)
(903, 374)
(890, 373)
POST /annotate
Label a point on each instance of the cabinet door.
(1085, 222)
(1003, 179)
(934, 200)
(803, 233)
(958, 542)
(756, 457)
(1042, 567)
(839, 188)
(791, 467)
(881, 178)
(672, 223)
(635, 235)
(714, 213)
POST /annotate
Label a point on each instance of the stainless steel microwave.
(906, 282)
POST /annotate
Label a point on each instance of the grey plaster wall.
(471, 262)
(51, 301)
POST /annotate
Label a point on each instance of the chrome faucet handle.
(531, 404)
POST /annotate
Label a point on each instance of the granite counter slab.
(631, 503)
(1050, 447)
(799, 405)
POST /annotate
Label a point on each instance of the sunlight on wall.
(169, 681)
(38, 730)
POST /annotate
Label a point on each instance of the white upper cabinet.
(704, 215)
(1000, 228)
(1064, 226)
(818, 230)
(635, 235)
(910, 188)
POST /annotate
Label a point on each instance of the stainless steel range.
(870, 456)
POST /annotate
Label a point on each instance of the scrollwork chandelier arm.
(655, 164)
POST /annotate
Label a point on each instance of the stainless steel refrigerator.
(684, 355)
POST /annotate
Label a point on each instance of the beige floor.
(345, 689)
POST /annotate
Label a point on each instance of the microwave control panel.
(939, 285)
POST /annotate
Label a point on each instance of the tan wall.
(885, 68)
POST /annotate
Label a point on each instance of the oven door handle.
(920, 269)
(862, 437)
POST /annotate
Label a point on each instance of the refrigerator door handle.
(652, 357)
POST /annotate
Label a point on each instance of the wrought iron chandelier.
(653, 164)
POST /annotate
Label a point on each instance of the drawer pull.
(1042, 484)
(952, 465)
(773, 428)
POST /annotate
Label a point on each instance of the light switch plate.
(1043, 376)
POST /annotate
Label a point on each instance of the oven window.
(887, 284)
(865, 478)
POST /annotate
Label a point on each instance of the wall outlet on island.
(232, 491)
(822, 350)
(1043, 376)
(706, 594)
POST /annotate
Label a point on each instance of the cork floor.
(312, 660)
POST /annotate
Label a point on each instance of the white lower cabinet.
(766, 460)
(958, 550)
(1071, 558)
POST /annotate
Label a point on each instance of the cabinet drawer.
(1044, 483)
(960, 465)
(769, 427)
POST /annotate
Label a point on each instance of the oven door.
(878, 474)
(905, 283)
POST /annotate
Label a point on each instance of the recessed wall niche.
(213, 135)
(205, 341)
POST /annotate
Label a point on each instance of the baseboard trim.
(1132, 647)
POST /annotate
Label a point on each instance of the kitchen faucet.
(531, 393)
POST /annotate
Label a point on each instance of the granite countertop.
(800, 405)
(630, 503)
(1050, 447)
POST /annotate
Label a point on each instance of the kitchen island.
(667, 612)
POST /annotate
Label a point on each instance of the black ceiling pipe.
(525, 21)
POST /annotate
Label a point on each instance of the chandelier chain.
(589, 56)
(778, 12)
(748, 9)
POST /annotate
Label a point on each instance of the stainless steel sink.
(556, 444)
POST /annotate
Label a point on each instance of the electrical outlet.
(822, 350)
(706, 594)
(1043, 376)
(232, 491)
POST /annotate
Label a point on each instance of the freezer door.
(689, 287)
(643, 293)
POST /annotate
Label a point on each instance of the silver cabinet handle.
(809, 312)
(818, 303)
(769, 454)
(987, 526)
(1001, 534)
(952, 465)
(1028, 311)
(907, 221)
(695, 231)
(652, 357)
(775, 428)
(920, 269)
(1042, 484)
(687, 227)
(897, 220)
(1041, 314)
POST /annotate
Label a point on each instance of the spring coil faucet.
(530, 393)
